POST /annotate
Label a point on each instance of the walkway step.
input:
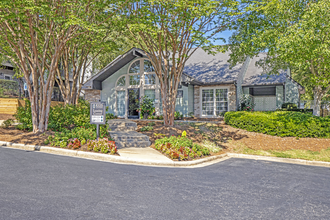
(128, 136)
(125, 144)
(122, 123)
(123, 133)
(121, 128)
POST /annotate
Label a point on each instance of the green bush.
(289, 105)
(24, 117)
(181, 148)
(281, 123)
(177, 115)
(80, 133)
(147, 107)
(147, 128)
(104, 145)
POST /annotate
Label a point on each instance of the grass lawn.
(322, 155)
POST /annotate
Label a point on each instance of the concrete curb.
(281, 160)
(183, 164)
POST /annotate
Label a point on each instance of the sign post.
(97, 115)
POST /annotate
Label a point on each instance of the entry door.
(133, 103)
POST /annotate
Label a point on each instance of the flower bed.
(180, 148)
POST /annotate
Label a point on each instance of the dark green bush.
(81, 133)
(289, 106)
(281, 123)
(61, 118)
(24, 117)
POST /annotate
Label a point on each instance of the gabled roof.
(212, 69)
(254, 75)
(200, 69)
(95, 82)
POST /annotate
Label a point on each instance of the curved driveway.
(35, 185)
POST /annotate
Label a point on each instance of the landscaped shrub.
(246, 103)
(281, 123)
(104, 145)
(147, 128)
(24, 117)
(61, 118)
(289, 106)
(74, 143)
(177, 115)
(180, 148)
(147, 107)
(81, 133)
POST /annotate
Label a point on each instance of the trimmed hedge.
(281, 123)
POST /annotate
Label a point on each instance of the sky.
(226, 35)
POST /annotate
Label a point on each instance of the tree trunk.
(317, 102)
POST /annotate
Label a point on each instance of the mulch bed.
(203, 119)
(176, 130)
(6, 117)
(257, 141)
(23, 137)
(252, 140)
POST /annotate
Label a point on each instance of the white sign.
(97, 118)
(25, 87)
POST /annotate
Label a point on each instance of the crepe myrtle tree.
(295, 34)
(33, 35)
(88, 53)
(170, 31)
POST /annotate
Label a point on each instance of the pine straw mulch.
(6, 117)
(229, 138)
(11, 134)
(225, 136)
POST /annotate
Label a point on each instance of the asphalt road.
(42, 186)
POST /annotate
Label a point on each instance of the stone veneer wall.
(93, 95)
(231, 98)
(197, 108)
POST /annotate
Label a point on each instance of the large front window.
(150, 93)
(150, 79)
(134, 80)
(214, 101)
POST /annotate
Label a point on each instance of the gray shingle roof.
(255, 76)
(209, 68)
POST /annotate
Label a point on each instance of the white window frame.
(141, 86)
(10, 77)
(214, 99)
(119, 79)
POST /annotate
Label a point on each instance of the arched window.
(148, 66)
(135, 67)
(121, 81)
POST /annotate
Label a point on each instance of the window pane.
(121, 103)
(121, 81)
(134, 80)
(150, 93)
(221, 101)
(135, 68)
(150, 79)
(207, 102)
(148, 66)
